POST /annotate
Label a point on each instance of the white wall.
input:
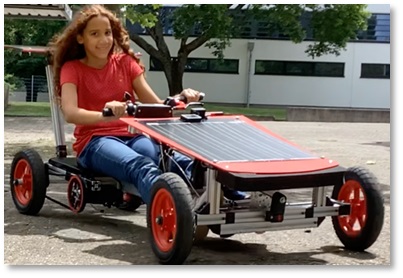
(297, 90)
(369, 92)
(347, 91)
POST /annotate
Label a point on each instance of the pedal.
(277, 208)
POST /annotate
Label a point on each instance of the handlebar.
(184, 99)
(130, 109)
(176, 103)
(181, 102)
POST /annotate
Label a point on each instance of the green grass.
(42, 109)
(277, 113)
(32, 109)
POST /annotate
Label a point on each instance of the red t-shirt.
(95, 87)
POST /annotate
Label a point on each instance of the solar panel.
(228, 140)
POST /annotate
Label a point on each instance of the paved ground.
(100, 236)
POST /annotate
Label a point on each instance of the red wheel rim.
(75, 194)
(163, 220)
(351, 192)
(23, 182)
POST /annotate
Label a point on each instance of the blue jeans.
(130, 160)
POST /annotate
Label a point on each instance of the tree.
(332, 25)
(24, 65)
(215, 24)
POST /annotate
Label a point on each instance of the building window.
(378, 29)
(324, 69)
(196, 65)
(375, 71)
(230, 66)
(329, 69)
(206, 65)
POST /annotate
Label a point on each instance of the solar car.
(228, 150)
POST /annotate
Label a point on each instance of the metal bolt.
(17, 182)
(158, 220)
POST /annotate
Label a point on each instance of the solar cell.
(229, 140)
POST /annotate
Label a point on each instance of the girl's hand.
(190, 95)
(118, 108)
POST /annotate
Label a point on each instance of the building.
(277, 72)
(38, 11)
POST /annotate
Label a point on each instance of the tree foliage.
(24, 65)
(30, 33)
(333, 26)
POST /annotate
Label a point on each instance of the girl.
(93, 67)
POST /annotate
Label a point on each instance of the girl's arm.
(75, 115)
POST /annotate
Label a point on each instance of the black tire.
(179, 216)
(370, 209)
(28, 182)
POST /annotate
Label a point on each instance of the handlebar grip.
(107, 112)
(184, 99)
(130, 110)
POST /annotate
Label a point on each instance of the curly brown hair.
(64, 46)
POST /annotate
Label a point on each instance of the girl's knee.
(148, 148)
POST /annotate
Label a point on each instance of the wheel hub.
(164, 215)
(18, 182)
(159, 220)
(75, 194)
(23, 182)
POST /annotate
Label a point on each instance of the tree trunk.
(6, 95)
(175, 78)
